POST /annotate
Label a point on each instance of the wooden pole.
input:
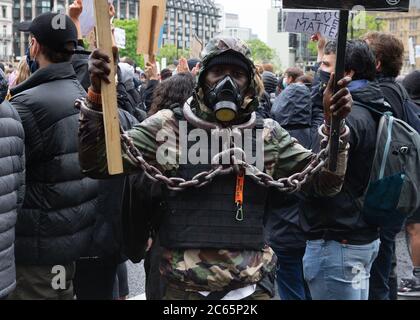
(339, 74)
(152, 34)
(109, 91)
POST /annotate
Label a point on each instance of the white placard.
(87, 18)
(411, 52)
(119, 35)
(417, 51)
(311, 22)
(164, 63)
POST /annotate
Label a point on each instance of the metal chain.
(291, 184)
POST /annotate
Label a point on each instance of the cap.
(53, 30)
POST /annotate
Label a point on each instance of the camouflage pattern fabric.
(210, 270)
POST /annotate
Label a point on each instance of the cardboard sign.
(311, 22)
(87, 18)
(196, 48)
(370, 5)
(151, 18)
(119, 35)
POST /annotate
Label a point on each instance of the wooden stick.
(152, 34)
(109, 91)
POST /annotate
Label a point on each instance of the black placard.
(371, 5)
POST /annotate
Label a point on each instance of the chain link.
(291, 184)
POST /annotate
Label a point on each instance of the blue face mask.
(32, 64)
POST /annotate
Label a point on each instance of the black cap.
(411, 84)
(231, 58)
(53, 30)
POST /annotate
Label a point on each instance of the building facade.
(291, 48)
(232, 28)
(184, 19)
(405, 26)
(6, 31)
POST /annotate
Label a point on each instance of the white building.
(6, 28)
(231, 28)
(278, 40)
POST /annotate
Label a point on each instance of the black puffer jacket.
(11, 191)
(54, 225)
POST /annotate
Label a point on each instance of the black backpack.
(410, 109)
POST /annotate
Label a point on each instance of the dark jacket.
(107, 232)
(293, 111)
(12, 178)
(146, 93)
(56, 220)
(270, 82)
(339, 218)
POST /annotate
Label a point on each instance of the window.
(16, 11)
(28, 10)
(413, 24)
(4, 11)
(43, 6)
(393, 25)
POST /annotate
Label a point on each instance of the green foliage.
(130, 27)
(371, 23)
(171, 53)
(261, 52)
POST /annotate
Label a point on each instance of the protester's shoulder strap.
(365, 106)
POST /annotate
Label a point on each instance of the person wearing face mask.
(212, 236)
(12, 178)
(342, 245)
(55, 223)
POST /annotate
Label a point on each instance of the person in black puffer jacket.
(55, 224)
(12, 178)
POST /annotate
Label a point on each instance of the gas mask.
(3, 86)
(224, 99)
(32, 64)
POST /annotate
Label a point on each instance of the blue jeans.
(290, 280)
(336, 271)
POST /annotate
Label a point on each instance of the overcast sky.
(252, 14)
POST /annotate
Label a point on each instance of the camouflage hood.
(223, 45)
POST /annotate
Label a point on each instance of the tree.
(260, 51)
(171, 53)
(130, 27)
(362, 23)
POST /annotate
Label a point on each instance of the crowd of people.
(67, 228)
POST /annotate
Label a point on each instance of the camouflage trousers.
(173, 293)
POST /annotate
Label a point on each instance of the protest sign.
(87, 18)
(119, 35)
(311, 22)
(151, 18)
(375, 5)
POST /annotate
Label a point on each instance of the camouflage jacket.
(207, 270)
